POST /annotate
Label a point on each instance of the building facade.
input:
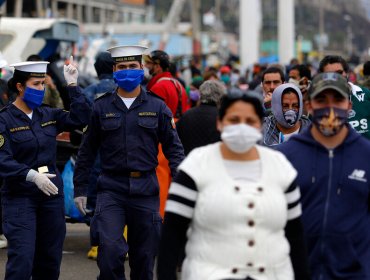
(84, 11)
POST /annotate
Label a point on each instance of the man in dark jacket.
(104, 69)
(197, 127)
(332, 161)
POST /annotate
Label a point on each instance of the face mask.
(194, 95)
(240, 138)
(128, 79)
(33, 97)
(293, 81)
(330, 120)
(225, 78)
(147, 73)
(291, 117)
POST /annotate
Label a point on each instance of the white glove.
(42, 181)
(70, 72)
(80, 203)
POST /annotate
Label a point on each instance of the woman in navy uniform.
(33, 205)
(126, 127)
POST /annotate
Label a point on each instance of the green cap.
(329, 80)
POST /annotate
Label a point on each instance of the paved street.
(75, 264)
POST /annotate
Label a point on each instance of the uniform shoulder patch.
(2, 140)
(173, 123)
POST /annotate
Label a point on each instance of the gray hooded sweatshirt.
(271, 133)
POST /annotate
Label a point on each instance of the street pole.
(196, 35)
(286, 31)
(321, 30)
(250, 18)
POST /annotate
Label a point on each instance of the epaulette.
(108, 93)
(155, 95)
(45, 105)
(4, 108)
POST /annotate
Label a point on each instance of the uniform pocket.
(111, 123)
(50, 131)
(148, 122)
(15, 214)
(22, 136)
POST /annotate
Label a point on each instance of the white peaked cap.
(119, 53)
(31, 66)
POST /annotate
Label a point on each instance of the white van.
(21, 37)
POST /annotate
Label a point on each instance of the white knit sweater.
(237, 229)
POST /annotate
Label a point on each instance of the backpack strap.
(179, 90)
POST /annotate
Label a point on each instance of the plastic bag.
(71, 210)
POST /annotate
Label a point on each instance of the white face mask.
(147, 74)
(293, 81)
(240, 138)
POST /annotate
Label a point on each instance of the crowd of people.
(220, 176)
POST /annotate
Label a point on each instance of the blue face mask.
(128, 79)
(33, 97)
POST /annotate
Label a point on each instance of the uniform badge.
(173, 123)
(2, 140)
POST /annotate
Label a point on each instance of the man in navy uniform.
(126, 127)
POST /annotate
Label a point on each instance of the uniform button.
(260, 189)
(251, 243)
(261, 269)
(250, 205)
(251, 223)
(234, 270)
(250, 264)
(237, 188)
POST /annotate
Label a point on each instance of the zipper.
(327, 202)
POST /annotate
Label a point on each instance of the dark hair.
(366, 70)
(34, 57)
(303, 70)
(17, 78)
(250, 97)
(210, 74)
(104, 63)
(273, 70)
(161, 58)
(173, 69)
(331, 59)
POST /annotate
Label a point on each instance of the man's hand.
(267, 97)
(80, 203)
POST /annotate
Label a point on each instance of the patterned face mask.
(329, 120)
(291, 117)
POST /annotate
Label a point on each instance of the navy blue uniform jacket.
(28, 144)
(335, 189)
(128, 141)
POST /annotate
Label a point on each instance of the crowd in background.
(208, 107)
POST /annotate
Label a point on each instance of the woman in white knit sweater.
(240, 203)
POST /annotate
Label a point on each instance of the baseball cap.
(329, 80)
